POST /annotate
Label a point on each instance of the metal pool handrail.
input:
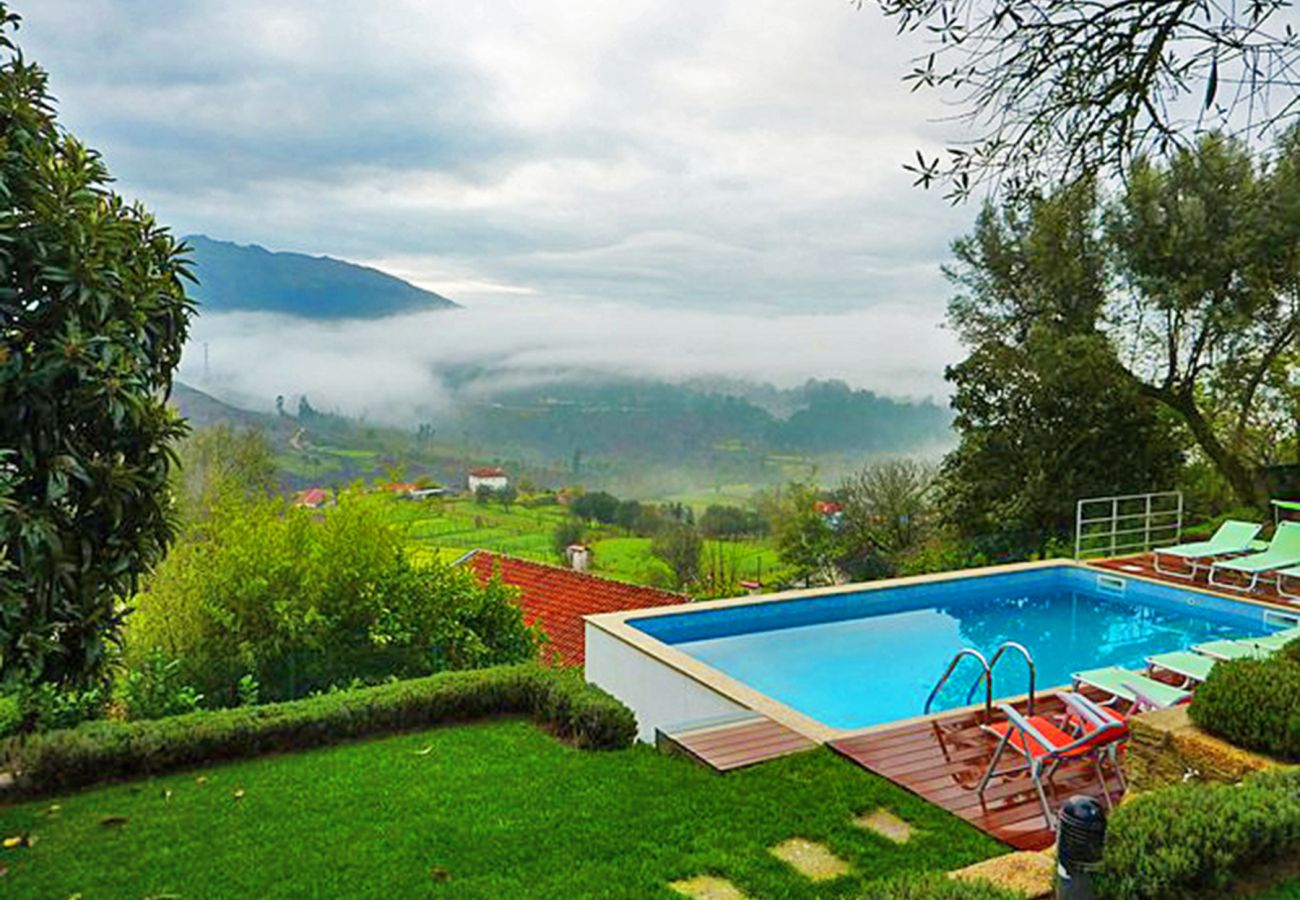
(965, 651)
(987, 675)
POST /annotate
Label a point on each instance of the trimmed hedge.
(97, 751)
(1254, 703)
(1190, 840)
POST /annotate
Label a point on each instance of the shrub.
(934, 886)
(154, 690)
(1254, 704)
(45, 706)
(304, 599)
(96, 751)
(1291, 652)
(1189, 840)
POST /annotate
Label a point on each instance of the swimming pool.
(870, 656)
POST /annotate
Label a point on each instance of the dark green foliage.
(1190, 840)
(1254, 704)
(96, 751)
(235, 277)
(303, 600)
(934, 886)
(720, 521)
(1291, 652)
(46, 706)
(93, 315)
(566, 533)
(1045, 411)
(679, 546)
(599, 506)
(155, 690)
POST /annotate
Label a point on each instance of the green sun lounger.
(1131, 687)
(1233, 536)
(1190, 666)
(1243, 649)
(1283, 552)
(1276, 641)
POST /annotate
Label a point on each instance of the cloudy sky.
(740, 157)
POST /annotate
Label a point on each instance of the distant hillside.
(203, 409)
(236, 277)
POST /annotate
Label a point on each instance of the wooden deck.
(1144, 565)
(943, 759)
(733, 743)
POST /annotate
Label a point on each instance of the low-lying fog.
(393, 369)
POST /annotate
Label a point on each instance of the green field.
(630, 559)
(490, 810)
(460, 525)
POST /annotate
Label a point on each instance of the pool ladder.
(986, 674)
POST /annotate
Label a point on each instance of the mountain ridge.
(250, 278)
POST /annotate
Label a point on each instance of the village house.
(490, 477)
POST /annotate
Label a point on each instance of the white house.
(491, 478)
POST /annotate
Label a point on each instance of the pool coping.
(616, 625)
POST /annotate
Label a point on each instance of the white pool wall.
(660, 696)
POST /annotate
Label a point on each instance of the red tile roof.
(556, 599)
(312, 498)
(487, 472)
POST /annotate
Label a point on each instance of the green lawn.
(494, 810)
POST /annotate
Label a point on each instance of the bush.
(934, 886)
(44, 706)
(96, 751)
(1190, 840)
(303, 599)
(1254, 704)
(154, 690)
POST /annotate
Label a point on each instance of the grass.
(630, 559)
(497, 809)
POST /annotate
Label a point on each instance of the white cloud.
(392, 369)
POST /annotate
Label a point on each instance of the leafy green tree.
(507, 496)
(1207, 250)
(805, 539)
(679, 546)
(887, 504)
(304, 599)
(565, 534)
(723, 521)
(598, 506)
(1045, 411)
(93, 317)
(221, 458)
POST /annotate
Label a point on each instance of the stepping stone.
(810, 859)
(885, 824)
(707, 887)
(1032, 874)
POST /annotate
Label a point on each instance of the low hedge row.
(1190, 840)
(101, 750)
(1254, 704)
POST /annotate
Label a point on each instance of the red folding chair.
(1045, 746)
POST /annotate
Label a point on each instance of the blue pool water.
(858, 659)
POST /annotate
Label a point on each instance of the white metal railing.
(1127, 523)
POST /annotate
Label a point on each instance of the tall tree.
(1052, 89)
(93, 316)
(1208, 253)
(1045, 411)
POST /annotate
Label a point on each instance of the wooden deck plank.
(942, 761)
(728, 747)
